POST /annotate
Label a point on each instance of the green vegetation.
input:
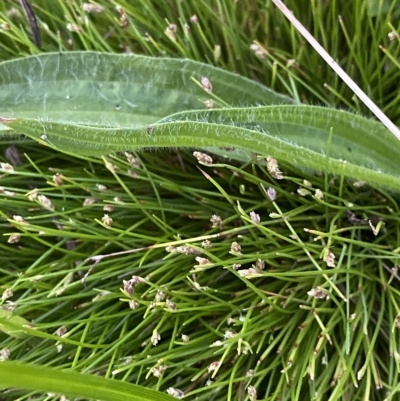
(231, 281)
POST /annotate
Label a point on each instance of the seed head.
(4, 354)
(89, 201)
(155, 337)
(271, 193)
(107, 220)
(273, 168)
(206, 84)
(202, 261)
(171, 32)
(108, 208)
(7, 167)
(175, 392)
(216, 221)
(255, 218)
(137, 280)
(194, 20)
(45, 202)
(123, 19)
(209, 104)
(158, 370)
(93, 8)
(8, 293)
(258, 50)
(188, 250)
(101, 187)
(160, 296)
(58, 179)
(61, 331)
(235, 247)
(318, 293)
(214, 366)
(303, 192)
(260, 264)
(13, 13)
(203, 158)
(32, 195)
(132, 160)
(170, 305)
(14, 238)
(249, 273)
(5, 26)
(20, 219)
(128, 287)
(319, 195)
(252, 392)
(329, 258)
(229, 334)
(206, 244)
(133, 304)
(359, 184)
(74, 28)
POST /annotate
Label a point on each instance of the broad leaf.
(94, 104)
(117, 90)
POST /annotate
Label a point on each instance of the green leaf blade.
(96, 141)
(116, 90)
(44, 379)
(356, 139)
(88, 103)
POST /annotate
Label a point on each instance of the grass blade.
(73, 384)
